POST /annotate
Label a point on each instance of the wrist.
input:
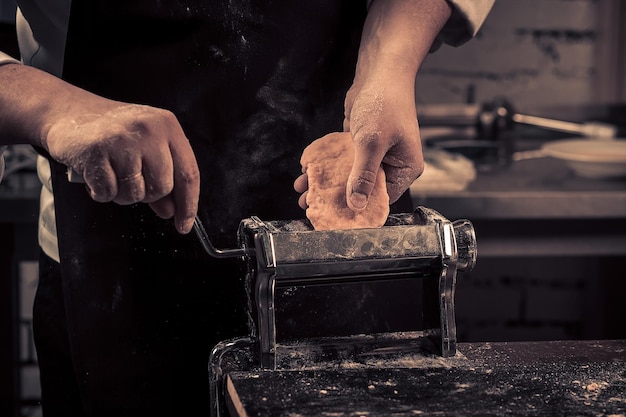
(69, 109)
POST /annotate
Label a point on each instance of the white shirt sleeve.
(466, 19)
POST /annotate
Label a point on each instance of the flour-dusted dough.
(327, 163)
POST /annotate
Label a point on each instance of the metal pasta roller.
(422, 245)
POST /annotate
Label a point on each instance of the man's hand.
(125, 153)
(381, 117)
(130, 154)
(380, 106)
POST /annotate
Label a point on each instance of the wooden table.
(564, 378)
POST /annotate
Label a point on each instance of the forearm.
(32, 99)
(398, 35)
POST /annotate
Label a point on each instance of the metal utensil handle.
(208, 246)
(588, 129)
(74, 177)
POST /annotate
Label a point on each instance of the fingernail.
(358, 200)
(185, 226)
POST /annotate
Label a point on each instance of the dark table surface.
(562, 378)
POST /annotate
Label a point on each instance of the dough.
(327, 163)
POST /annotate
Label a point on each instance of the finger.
(128, 168)
(186, 188)
(100, 181)
(367, 160)
(346, 124)
(131, 188)
(301, 184)
(165, 208)
(158, 174)
(302, 201)
(400, 179)
(403, 165)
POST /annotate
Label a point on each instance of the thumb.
(362, 177)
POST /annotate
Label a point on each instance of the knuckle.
(159, 189)
(367, 177)
(102, 194)
(169, 116)
(417, 169)
(189, 212)
(364, 182)
(139, 126)
(99, 186)
(166, 116)
(149, 120)
(96, 154)
(365, 136)
(190, 176)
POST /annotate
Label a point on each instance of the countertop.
(564, 378)
(530, 189)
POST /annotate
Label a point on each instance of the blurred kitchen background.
(551, 243)
(540, 54)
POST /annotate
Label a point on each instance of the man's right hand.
(126, 153)
(129, 154)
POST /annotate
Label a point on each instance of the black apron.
(252, 82)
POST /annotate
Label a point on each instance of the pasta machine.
(422, 245)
